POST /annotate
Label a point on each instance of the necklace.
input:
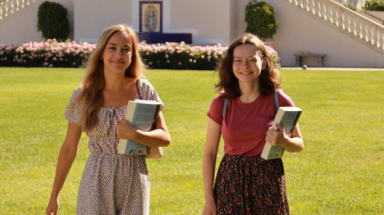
(112, 90)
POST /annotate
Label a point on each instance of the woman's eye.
(112, 48)
(253, 60)
(126, 50)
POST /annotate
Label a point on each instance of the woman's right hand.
(209, 208)
(53, 207)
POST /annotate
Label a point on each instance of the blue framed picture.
(151, 16)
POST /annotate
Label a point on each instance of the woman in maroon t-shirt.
(246, 183)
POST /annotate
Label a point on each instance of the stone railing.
(10, 6)
(346, 19)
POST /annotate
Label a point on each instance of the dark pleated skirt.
(250, 185)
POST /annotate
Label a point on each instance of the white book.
(287, 117)
(142, 114)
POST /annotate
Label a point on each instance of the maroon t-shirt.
(245, 126)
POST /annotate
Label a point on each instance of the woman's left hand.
(125, 129)
(277, 138)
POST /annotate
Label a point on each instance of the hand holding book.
(285, 120)
(277, 137)
(125, 130)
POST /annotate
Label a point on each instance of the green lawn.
(340, 170)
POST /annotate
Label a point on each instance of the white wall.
(377, 14)
(93, 16)
(210, 18)
(20, 27)
(300, 31)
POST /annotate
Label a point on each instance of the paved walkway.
(337, 68)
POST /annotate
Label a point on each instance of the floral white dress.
(112, 183)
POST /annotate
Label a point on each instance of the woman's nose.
(245, 63)
(120, 52)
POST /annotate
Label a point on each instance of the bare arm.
(67, 155)
(209, 163)
(294, 143)
(155, 138)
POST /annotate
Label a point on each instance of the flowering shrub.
(272, 54)
(181, 56)
(156, 56)
(47, 54)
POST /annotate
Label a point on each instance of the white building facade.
(313, 26)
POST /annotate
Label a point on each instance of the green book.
(287, 117)
(142, 114)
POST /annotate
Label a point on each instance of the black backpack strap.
(276, 99)
(225, 106)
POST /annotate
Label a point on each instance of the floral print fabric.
(250, 185)
(111, 183)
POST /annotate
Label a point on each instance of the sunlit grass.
(340, 170)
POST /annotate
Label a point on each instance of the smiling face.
(247, 63)
(117, 55)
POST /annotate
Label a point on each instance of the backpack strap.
(225, 106)
(276, 95)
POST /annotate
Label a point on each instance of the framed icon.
(151, 16)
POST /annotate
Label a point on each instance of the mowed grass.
(340, 170)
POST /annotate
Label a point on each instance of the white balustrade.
(313, 5)
(382, 39)
(356, 26)
(12, 6)
(373, 35)
(6, 8)
(361, 28)
(306, 5)
(344, 18)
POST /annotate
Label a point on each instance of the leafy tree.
(52, 21)
(260, 18)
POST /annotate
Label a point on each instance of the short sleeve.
(73, 112)
(148, 92)
(285, 100)
(216, 110)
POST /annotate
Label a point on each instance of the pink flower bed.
(71, 54)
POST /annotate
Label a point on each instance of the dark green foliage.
(260, 18)
(52, 21)
(350, 6)
(376, 5)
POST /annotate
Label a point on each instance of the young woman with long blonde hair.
(245, 183)
(111, 183)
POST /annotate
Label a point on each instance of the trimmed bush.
(376, 5)
(260, 18)
(52, 21)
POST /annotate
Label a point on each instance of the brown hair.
(93, 82)
(269, 78)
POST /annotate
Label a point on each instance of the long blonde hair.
(93, 82)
